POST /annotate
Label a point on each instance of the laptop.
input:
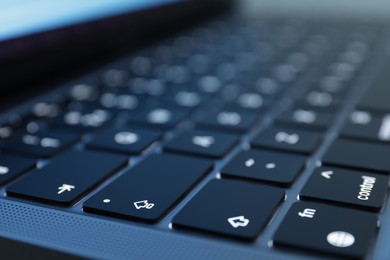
(194, 129)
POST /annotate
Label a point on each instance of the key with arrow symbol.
(239, 221)
(234, 208)
(65, 187)
(327, 174)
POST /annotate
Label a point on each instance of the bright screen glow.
(23, 17)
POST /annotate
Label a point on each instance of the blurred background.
(376, 9)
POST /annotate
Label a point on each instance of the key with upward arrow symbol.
(239, 221)
(234, 208)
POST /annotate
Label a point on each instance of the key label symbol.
(384, 131)
(340, 239)
(203, 141)
(126, 138)
(4, 170)
(305, 116)
(50, 142)
(229, 118)
(283, 137)
(327, 174)
(159, 116)
(307, 213)
(250, 100)
(143, 204)
(30, 140)
(65, 187)
(319, 99)
(249, 163)
(239, 221)
(361, 117)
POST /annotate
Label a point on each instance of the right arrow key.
(365, 190)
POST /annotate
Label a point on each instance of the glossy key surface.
(202, 143)
(13, 166)
(287, 139)
(233, 208)
(67, 177)
(148, 190)
(305, 118)
(341, 232)
(229, 121)
(127, 140)
(364, 125)
(41, 144)
(365, 190)
(358, 155)
(262, 165)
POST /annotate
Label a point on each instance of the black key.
(363, 125)
(305, 118)
(234, 208)
(358, 155)
(377, 97)
(362, 189)
(287, 139)
(41, 144)
(149, 190)
(265, 166)
(12, 167)
(125, 140)
(161, 116)
(202, 143)
(229, 121)
(67, 177)
(327, 229)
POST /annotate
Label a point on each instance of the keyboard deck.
(269, 133)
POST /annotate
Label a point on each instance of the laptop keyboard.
(213, 131)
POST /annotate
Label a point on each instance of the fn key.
(327, 229)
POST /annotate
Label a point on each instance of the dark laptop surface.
(186, 130)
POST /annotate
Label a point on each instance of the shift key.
(147, 191)
(67, 177)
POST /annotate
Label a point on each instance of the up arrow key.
(239, 221)
(327, 174)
